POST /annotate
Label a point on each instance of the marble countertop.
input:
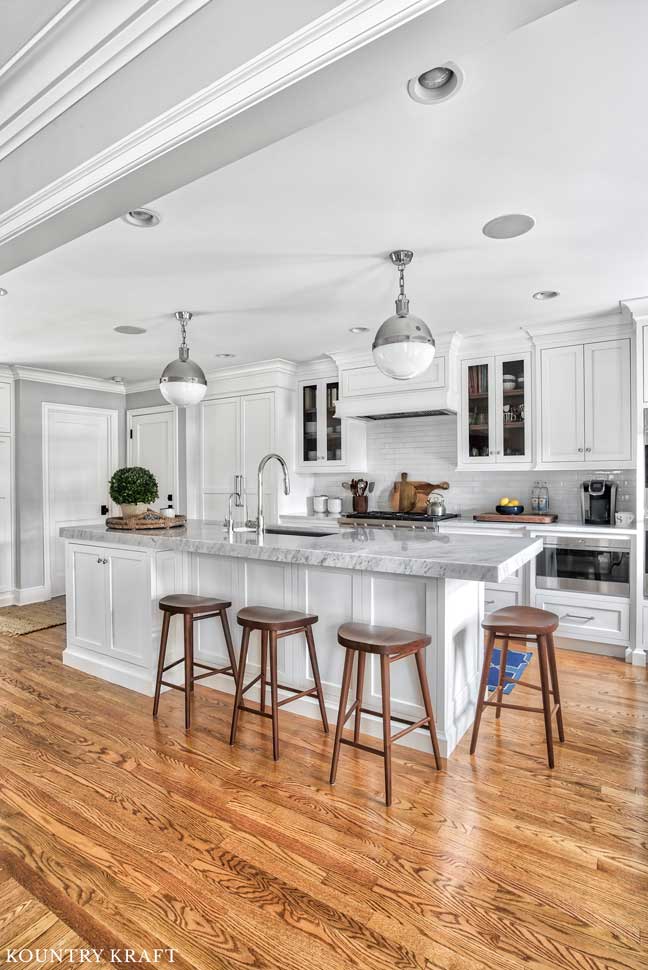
(436, 555)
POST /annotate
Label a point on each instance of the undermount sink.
(297, 532)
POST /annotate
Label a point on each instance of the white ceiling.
(283, 251)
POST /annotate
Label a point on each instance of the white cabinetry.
(495, 421)
(585, 403)
(327, 443)
(236, 433)
(6, 401)
(113, 623)
(6, 514)
(602, 619)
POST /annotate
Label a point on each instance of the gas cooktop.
(391, 518)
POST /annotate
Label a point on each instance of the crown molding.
(263, 368)
(21, 373)
(446, 343)
(635, 309)
(96, 47)
(136, 387)
(339, 32)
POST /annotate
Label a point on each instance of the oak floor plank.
(137, 829)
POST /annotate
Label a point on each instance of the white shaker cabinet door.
(129, 615)
(88, 612)
(220, 449)
(608, 425)
(257, 440)
(561, 402)
(6, 514)
(6, 395)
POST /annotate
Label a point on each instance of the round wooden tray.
(141, 523)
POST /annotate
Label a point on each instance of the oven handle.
(576, 616)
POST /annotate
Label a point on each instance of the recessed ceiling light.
(224, 355)
(127, 329)
(117, 380)
(3, 292)
(435, 85)
(142, 218)
(546, 295)
(358, 329)
(508, 226)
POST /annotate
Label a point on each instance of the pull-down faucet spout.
(260, 524)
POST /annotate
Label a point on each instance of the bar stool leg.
(239, 682)
(228, 641)
(264, 668)
(386, 712)
(339, 727)
(273, 695)
(188, 665)
(553, 670)
(427, 703)
(359, 691)
(502, 675)
(546, 697)
(316, 676)
(488, 653)
(166, 619)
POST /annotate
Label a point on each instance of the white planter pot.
(137, 508)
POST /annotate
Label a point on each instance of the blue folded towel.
(516, 664)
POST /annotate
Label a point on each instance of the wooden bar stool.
(522, 624)
(390, 644)
(192, 609)
(273, 625)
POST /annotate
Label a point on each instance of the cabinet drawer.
(588, 618)
(496, 598)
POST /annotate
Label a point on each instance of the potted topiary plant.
(134, 489)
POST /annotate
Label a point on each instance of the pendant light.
(183, 382)
(403, 347)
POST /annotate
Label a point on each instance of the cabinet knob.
(99, 560)
(588, 449)
(580, 449)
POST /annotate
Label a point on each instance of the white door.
(561, 404)
(80, 453)
(220, 451)
(608, 424)
(6, 513)
(257, 440)
(88, 611)
(478, 402)
(153, 444)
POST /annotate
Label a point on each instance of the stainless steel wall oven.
(583, 564)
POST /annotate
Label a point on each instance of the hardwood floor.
(119, 832)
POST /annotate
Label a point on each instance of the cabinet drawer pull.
(576, 616)
(488, 602)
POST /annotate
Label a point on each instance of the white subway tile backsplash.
(426, 448)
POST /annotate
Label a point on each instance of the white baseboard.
(589, 646)
(126, 675)
(32, 594)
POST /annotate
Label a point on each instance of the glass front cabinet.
(325, 441)
(495, 418)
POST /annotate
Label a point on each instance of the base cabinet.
(113, 621)
(602, 619)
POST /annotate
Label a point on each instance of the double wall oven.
(585, 565)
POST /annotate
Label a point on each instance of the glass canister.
(542, 498)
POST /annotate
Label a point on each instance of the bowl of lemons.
(509, 506)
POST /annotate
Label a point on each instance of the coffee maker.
(598, 502)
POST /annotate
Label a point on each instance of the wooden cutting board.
(414, 498)
(530, 519)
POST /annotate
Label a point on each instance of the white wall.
(426, 448)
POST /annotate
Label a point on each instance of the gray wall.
(30, 396)
(153, 399)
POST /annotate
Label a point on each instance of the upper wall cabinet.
(6, 395)
(326, 442)
(586, 404)
(495, 413)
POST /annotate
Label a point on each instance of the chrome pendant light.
(403, 348)
(183, 382)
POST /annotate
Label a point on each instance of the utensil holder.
(360, 503)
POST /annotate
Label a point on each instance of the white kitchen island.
(418, 581)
